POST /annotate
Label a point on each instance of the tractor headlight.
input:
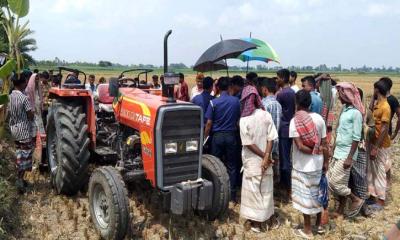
(192, 146)
(171, 148)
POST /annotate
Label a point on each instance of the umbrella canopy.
(210, 66)
(264, 52)
(224, 49)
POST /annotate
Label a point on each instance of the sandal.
(320, 230)
(301, 234)
(255, 229)
(275, 224)
(356, 211)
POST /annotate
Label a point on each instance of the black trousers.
(225, 147)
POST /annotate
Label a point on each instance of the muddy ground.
(42, 214)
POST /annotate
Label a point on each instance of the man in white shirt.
(310, 158)
(257, 132)
(198, 89)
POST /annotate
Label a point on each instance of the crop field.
(43, 214)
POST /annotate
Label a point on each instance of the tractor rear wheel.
(215, 171)
(109, 203)
(67, 146)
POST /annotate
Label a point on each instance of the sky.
(302, 32)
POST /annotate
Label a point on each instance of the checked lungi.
(305, 190)
(338, 178)
(257, 203)
(358, 175)
(23, 151)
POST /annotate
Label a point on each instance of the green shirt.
(349, 130)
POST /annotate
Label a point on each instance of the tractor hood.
(135, 107)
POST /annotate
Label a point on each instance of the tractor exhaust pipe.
(167, 90)
(166, 51)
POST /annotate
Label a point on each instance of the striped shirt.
(19, 123)
(272, 106)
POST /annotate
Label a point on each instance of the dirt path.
(47, 215)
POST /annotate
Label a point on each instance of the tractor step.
(105, 154)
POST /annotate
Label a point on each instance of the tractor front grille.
(179, 126)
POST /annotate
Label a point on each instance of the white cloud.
(186, 20)
(383, 9)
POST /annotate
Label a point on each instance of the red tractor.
(140, 135)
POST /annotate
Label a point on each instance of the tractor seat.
(104, 94)
(105, 108)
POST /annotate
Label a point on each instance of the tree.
(105, 64)
(18, 44)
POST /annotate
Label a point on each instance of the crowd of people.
(277, 140)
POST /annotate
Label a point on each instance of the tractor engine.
(131, 163)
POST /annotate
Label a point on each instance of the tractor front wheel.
(109, 203)
(215, 171)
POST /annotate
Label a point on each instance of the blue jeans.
(225, 147)
(285, 164)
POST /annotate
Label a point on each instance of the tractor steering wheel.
(127, 82)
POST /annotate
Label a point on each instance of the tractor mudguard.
(79, 94)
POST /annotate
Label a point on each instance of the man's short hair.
(18, 79)
(45, 75)
(303, 98)
(223, 83)
(155, 77)
(208, 83)
(381, 86)
(91, 76)
(181, 76)
(293, 74)
(270, 84)
(284, 74)
(237, 81)
(388, 82)
(251, 77)
(35, 70)
(310, 80)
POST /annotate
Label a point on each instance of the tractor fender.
(86, 98)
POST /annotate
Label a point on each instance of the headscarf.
(250, 101)
(30, 91)
(349, 93)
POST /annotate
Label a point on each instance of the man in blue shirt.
(223, 115)
(308, 83)
(203, 100)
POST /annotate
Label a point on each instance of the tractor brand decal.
(137, 117)
(145, 109)
(147, 151)
(145, 138)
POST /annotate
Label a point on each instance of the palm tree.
(25, 46)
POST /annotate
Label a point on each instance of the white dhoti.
(257, 203)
